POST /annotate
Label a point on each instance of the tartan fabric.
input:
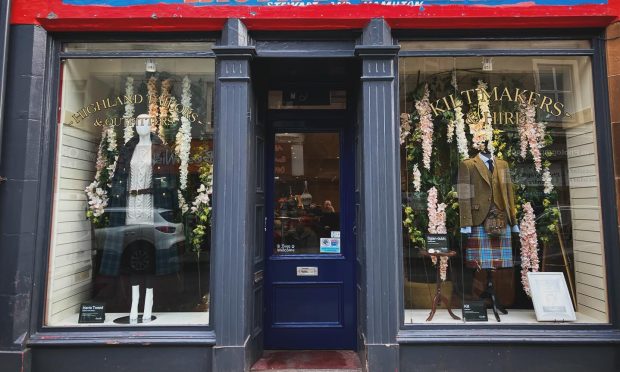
(485, 252)
(166, 257)
(165, 171)
(112, 252)
(166, 260)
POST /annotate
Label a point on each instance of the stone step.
(308, 361)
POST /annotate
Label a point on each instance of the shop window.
(534, 209)
(131, 226)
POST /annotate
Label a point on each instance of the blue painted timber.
(312, 312)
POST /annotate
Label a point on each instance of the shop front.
(190, 186)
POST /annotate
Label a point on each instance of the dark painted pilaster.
(234, 206)
(21, 154)
(5, 15)
(379, 226)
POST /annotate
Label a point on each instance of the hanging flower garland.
(184, 135)
(529, 245)
(417, 178)
(461, 139)
(437, 225)
(128, 116)
(97, 192)
(423, 107)
(531, 134)
(547, 181)
(151, 87)
(450, 132)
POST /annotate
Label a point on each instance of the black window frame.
(40, 334)
(543, 332)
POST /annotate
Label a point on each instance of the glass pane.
(490, 45)
(132, 202)
(547, 78)
(307, 193)
(534, 209)
(141, 46)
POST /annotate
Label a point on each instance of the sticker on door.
(330, 245)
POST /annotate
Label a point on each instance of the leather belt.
(140, 192)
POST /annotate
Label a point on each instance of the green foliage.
(201, 212)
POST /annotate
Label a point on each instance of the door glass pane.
(307, 193)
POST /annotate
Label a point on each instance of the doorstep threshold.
(308, 361)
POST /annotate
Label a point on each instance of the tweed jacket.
(477, 187)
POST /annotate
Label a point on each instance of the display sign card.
(552, 302)
(335, 234)
(475, 311)
(92, 313)
(437, 243)
(330, 245)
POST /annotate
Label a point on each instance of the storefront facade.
(263, 176)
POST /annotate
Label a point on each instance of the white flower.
(111, 137)
(129, 110)
(531, 133)
(202, 199)
(437, 225)
(450, 134)
(184, 135)
(417, 178)
(529, 245)
(461, 139)
(547, 181)
(96, 193)
(423, 107)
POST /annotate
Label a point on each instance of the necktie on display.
(490, 161)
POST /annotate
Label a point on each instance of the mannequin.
(144, 183)
(484, 185)
(140, 206)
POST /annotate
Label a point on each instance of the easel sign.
(437, 243)
(550, 296)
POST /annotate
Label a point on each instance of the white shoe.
(135, 299)
(148, 306)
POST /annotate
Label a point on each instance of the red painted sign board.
(206, 15)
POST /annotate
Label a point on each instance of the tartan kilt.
(485, 252)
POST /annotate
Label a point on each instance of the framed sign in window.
(550, 296)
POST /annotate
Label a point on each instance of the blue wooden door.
(310, 253)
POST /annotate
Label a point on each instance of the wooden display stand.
(439, 298)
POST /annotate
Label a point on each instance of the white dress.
(140, 207)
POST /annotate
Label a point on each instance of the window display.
(132, 204)
(498, 155)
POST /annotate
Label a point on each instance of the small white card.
(335, 234)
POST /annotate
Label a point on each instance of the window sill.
(163, 319)
(498, 333)
(514, 317)
(144, 336)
